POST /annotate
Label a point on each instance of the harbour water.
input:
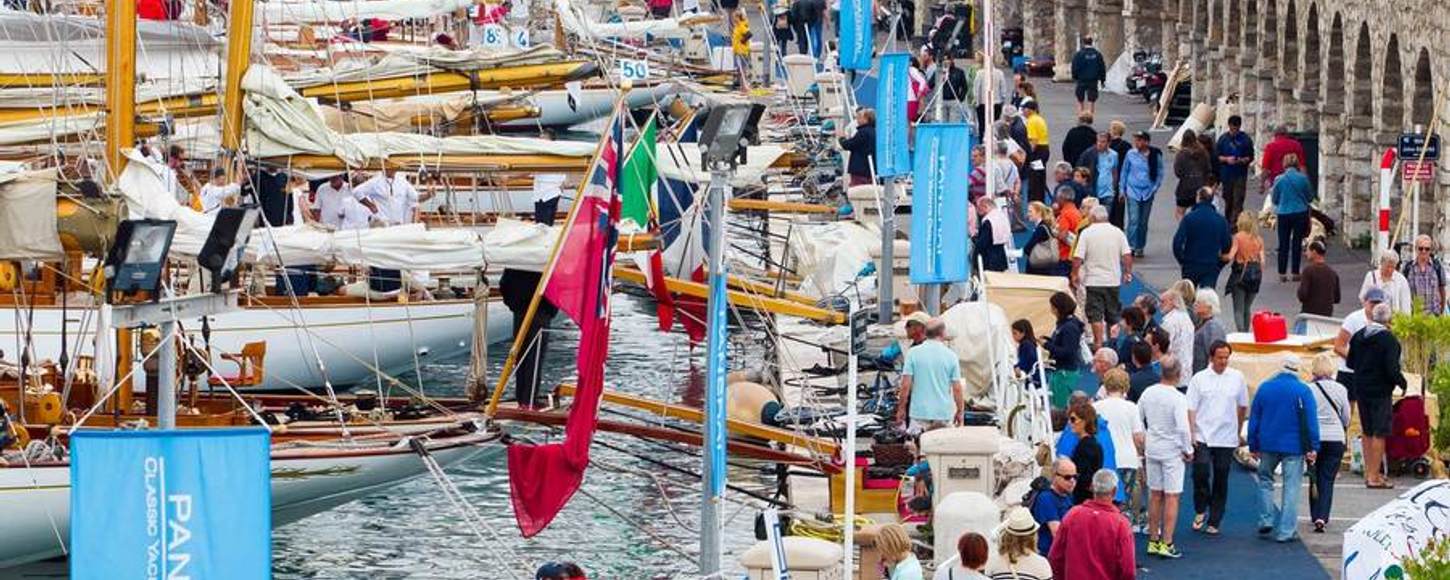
(412, 532)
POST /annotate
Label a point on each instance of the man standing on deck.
(1283, 430)
(931, 393)
(396, 198)
(1167, 443)
(1218, 401)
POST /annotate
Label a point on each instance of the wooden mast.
(239, 58)
(120, 136)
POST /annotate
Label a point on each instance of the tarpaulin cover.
(27, 216)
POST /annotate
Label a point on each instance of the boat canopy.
(51, 43)
(331, 11)
(27, 216)
(409, 247)
(280, 122)
(574, 20)
(399, 61)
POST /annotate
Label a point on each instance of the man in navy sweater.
(1201, 241)
(1283, 430)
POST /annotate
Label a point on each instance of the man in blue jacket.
(1235, 153)
(1141, 178)
(1201, 241)
(1283, 430)
(1089, 71)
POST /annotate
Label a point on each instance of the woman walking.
(1064, 349)
(1043, 260)
(1247, 258)
(1192, 168)
(1331, 400)
(895, 547)
(1292, 195)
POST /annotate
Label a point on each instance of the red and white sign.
(1419, 171)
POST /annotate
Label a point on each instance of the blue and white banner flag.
(170, 504)
(939, 241)
(893, 83)
(856, 36)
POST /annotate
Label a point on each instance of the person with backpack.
(1426, 277)
(1247, 274)
(1050, 500)
(1283, 431)
(1331, 400)
(1167, 444)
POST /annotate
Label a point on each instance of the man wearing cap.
(1353, 323)
(931, 384)
(1283, 430)
(1142, 176)
(1374, 354)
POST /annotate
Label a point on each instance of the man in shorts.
(1089, 71)
(1374, 355)
(1167, 445)
(931, 388)
(1102, 263)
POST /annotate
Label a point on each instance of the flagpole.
(713, 464)
(508, 365)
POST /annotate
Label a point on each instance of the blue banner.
(856, 38)
(171, 504)
(939, 241)
(892, 155)
(717, 369)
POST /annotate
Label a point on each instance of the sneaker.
(1155, 547)
(1169, 551)
(1264, 530)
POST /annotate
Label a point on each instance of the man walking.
(1102, 263)
(1078, 139)
(1275, 151)
(931, 381)
(1102, 161)
(1235, 151)
(1141, 178)
(1167, 443)
(1283, 430)
(1374, 355)
(1201, 241)
(1426, 277)
(1319, 283)
(1218, 399)
(1089, 71)
(1094, 541)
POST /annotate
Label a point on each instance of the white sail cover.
(682, 162)
(574, 20)
(410, 247)
(27, 216)
(318, 11)
(281, 122)
(412, 60)
(48, 43)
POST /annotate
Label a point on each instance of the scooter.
(1147, 78)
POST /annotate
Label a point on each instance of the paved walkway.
(1237, 553)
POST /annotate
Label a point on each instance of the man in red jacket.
(1282, 144)
(1094, 541)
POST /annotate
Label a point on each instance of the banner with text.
(171, 504)
(1375, 545)
(892, 155)
(856, 36)
(939, 243)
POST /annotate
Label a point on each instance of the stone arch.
(1422, 105)
(1392, 89)
(1313, 57)
(1270, 42)
(1334, 67)
(1289, 65)
(1214, 20)
(1250, 18)
(1362, 93)
(1233, 23)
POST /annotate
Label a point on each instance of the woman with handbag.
(1247, 273)
(1041, 249)
(1331, 404)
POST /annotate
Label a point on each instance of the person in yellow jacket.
(740, 45)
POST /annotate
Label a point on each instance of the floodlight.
(134, 262)
(225, 244)
(724, 135)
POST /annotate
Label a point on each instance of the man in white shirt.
(396, 199)
(330, 196)
(1125, 427)
(1167, 442)
(1218, 401)
(353, 215)
(548, 188)
(1180, 330)
(217, 193)
(1102, 262)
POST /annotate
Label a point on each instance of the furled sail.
(323, 11)
(574, 20)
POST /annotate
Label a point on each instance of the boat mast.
(239, 58)
(121, 135)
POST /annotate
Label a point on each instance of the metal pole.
(713, 467)
(849, 456)
(166, 381)
(886, 274)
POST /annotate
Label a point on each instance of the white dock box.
(805, 559)
(800, 73)
(961, 460)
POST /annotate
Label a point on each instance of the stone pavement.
(1158, 269)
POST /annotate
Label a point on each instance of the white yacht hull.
(305, 481)
(350, 339)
